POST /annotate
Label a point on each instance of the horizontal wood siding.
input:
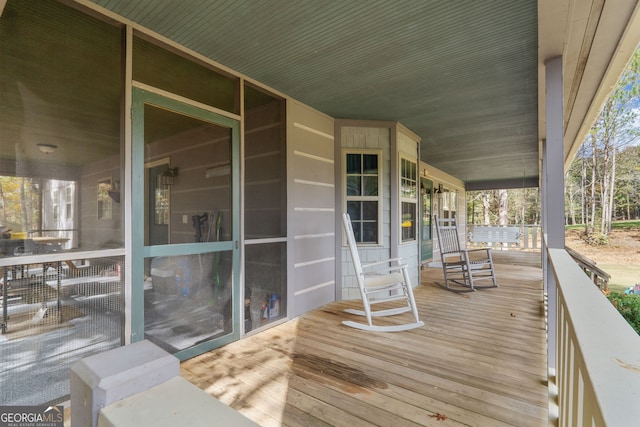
(311, 208)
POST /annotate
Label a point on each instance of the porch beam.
(501, 184)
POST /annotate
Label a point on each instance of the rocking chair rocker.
(380, 282)
(462, 267)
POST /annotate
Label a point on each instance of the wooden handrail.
(599, 276)
(598, 374)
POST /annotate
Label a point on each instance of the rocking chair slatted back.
(448, 237)
(385, 281)
(462, 267)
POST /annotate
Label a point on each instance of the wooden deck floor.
(480, 360)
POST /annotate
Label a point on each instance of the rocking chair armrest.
(385, 270)
(386, 261)
(474, 255)
(453, 255)
(487, 250)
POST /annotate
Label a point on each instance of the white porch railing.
(598, 353)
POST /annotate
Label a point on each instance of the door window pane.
(161, 206)
(69, 202)
(55, 199)
(427, 196)
(104, 201)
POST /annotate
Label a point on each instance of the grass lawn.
(622, 276)
(625, 225)
(616, 225)
(620, 257)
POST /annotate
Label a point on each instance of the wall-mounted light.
(114, 192)
(167, 178)
(47, 148)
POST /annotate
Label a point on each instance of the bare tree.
(607, 133)
(503, 210)
(486, 208)
(570, 193)
(23, 205)
(590, 226)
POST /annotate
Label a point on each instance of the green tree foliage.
(627, 190)
(602, 183)
(628, 306)
(578, 182)
(522, 206)
(19, 203)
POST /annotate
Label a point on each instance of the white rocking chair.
(380, 282)
(462, 267)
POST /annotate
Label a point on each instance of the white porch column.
(553, 188)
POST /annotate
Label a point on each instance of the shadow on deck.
(480, 360)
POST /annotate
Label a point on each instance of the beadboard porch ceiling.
(465, 76)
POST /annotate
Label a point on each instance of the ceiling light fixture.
(47, 148)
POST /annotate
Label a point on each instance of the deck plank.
(479, 360)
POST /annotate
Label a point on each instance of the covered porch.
(481, 359)
(500, 95)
